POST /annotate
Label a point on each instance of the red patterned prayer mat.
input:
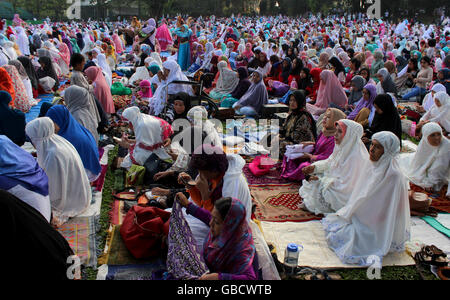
(440, 201)
(279, 203)
(117, 213)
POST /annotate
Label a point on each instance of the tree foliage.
(56, 9)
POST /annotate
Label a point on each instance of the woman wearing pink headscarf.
(369, 58)
(117, 43)
(163, 36)
(64, 52)
(248, 53)
(330, 92)
(101, 89)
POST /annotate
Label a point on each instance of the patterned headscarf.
(233, 250)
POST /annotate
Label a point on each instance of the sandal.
(433, 256)
(444, 273)
(323, 275)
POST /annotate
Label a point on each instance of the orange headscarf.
(6, 84)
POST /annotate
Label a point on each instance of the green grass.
(107, 200)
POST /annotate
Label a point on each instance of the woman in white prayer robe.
(69, 188)
(376, 220)
(335, 178)
(430, 166)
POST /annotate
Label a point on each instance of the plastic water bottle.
(291, 257)
(294, 84)
(412, 132)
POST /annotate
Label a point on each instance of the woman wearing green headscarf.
(75, 47)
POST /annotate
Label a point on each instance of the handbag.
(144, 230)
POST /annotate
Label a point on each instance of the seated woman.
(61, 162)
(31, 72)
(21, 100)
(428, 168)
(423, 79)
(12, 121)
(356, 92)
(180, 107)
(386, 84)
(21, 176)
(428, 101)
(406, 77)
(292, 168)
(227, 82)
(198, 116)
(102, 90)
(330, 92)
(239, 91)
(386, 119)
(81, 106)
(363, 108)
(333, 183)
(229, 250)
(365, 73)
(26, 81)
(438, 113)
(338, 69)
(171, 72)
(377, 64)
(252, 102)
(152, 136)
(83, 141)
(299, 125)
(278, 86)
(28, 233)
(376, 219)
(47, 70)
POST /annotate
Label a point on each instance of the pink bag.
(261, 165)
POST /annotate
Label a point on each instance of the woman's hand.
(308, 143)
(161, 175)
(213, 276)
(160, 192)
(184, 178)
(181, 198)
(365, 140)
(308, 170)
(167, 142)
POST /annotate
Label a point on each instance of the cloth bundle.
(296, 151)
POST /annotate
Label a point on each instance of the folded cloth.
(297, 151)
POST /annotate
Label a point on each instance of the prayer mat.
(316, 253)
(184, 258)
(34, 111)
(135, 272)
(278, 203)
(116, 253)
(439, 226)
(80, 233)
(273, 177)
(440, 201)
(117, 213)
(423, 233)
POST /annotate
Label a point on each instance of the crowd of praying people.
(343, 80)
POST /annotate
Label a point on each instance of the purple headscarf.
(256, 96)
(243, 84)
(363, 103)
(233, 250)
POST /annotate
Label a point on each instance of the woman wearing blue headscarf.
(83, 141)
(184, 52)
(21, 176)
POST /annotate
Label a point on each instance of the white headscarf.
(428, 101)
(430, 165)
(63, 166)
(376, 219)
(157, 59)
(341, 171)
(441, 114)
(102, 63)
(148, 132)
(199, 113)
(228, 79)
